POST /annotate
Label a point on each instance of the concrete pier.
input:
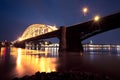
(70, 41)
(62, 43)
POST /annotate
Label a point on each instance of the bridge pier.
(73, 42)
(69, 41)
(62, 43)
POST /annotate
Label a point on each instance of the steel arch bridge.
(36, 30)
(70, 37)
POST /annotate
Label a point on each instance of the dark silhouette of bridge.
(70, 37)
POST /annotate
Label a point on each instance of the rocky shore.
(63, 76)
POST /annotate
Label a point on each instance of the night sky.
(17, 15)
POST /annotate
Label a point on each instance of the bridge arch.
(36, 30)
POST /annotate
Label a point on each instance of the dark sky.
(17, 15)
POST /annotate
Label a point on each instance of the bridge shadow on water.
(102, 63)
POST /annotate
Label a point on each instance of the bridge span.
(70, 37)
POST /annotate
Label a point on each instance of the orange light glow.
(85, 10)
(97, 18)
(20, 39)
(19, 66)
(3, 51)
(33, 63)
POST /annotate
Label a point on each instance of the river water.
(17, 62)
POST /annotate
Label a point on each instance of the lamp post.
(96, 18)
(85, 10)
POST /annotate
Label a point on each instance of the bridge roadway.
(71, 36)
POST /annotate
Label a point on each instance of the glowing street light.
(96, 18)
(85, 10)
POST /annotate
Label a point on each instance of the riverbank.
(64, 76)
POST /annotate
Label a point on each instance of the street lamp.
(85, 10)
(96, 18)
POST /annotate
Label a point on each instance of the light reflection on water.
(31, 61)
(25, 62)
(118, 50)
(17, 62)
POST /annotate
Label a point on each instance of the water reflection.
(3, 52)
(31, 61)
(118, 50)
(17, 62)
(19, 66)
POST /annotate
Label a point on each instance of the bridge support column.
(62, 44)
(69, 41)
(74, 44)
